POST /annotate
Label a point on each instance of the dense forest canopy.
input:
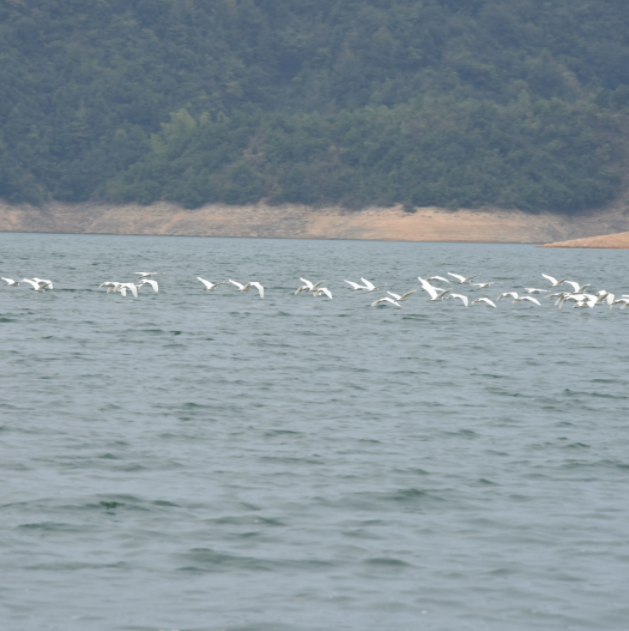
(517, 103)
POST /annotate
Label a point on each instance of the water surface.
(207, 461)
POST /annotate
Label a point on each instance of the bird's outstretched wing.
(207, 283)
(457, 276)
(152, 283)
(461, 297)
(354, 286)
(259, 287)
(308, 284)
(485, 300)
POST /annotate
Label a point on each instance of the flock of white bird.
(578, 293)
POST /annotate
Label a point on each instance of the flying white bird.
(553, 281)
(370, 286)
(42, 281)
(238, 285)
(485, 300)
(589, 301)
(123, 287)
(258, 286)
(483, 285)
(248, 286)
(209, 286)
(385, 300)
(561, 301)
(558, 294)
(462, 298)
(436, 293)
(621, 301)
(10, 282)
(462, 279)
(354, 286)
(439, 278)
(532, 290)
(322, 290)
(508, 294)
(403, 297)
(111, 285)
(35, 285)
(146, 274)
(308, 286)
(578, 289)
(526, 299)
(152, 283)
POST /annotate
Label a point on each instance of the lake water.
(205, 461)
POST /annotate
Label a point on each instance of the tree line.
(455, 103)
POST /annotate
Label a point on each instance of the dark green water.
(205, 461)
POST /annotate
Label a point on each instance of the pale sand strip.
(612, 241)
(294, 221)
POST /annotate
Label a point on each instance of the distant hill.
(514, 103)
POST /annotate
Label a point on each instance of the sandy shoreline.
(609, 241)
(294, 221)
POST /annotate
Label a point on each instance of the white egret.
(526, 299)
(578, 289)
(10, 282)
(146, 274)
(35, 285)
(308, 286)
(553, 281)
(485, 300)
(122, 288)
(439, 278)
(461, 297)
(621, 301)
(589, 301)
(111, 285)
(248, 286)
(385, 300)
(42, 281)
(257, 285)
(152, 283)
(403, 297)
(561, 301)
(369, 286)
(532, 290)
(462, 279)
(483, 285)
(322, 290)
(210, 286)
(436, 293)
(508, 294)
(354, 286)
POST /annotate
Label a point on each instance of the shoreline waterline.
(291, 221)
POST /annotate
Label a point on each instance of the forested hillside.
(516, 103)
